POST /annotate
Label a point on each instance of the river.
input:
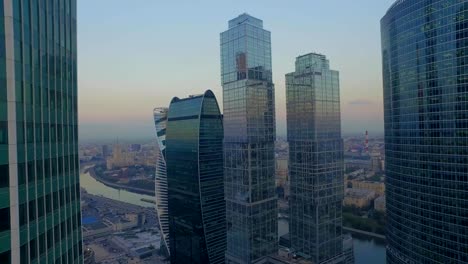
(95, 187)
(366, 249)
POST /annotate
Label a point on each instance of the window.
(4, 220)
(24, 258)
(40, 206)
(3, 132)
(32, 210)
(21, 173)
(48, 203)
(42, 242)
(23, 214)
(5, 257)
(33, 249)
(4, 176)
(50, 241)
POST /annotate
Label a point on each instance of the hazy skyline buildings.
(194, 159)
(39, 171)
(249, 136)
(425, 84)
(315, 159)
(160, 122)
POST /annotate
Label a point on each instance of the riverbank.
(93, 174)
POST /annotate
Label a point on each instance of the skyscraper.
(160, 122)
(315, 159)
(194, 158)
(40, 219)
(249, 136)
(425, 78)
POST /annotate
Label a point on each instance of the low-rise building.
(377, 187)
(360, 198)
(379, 204)
(140, 244)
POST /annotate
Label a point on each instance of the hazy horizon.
(142, 55)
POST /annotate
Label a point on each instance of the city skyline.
(140, 82)
(329, 132)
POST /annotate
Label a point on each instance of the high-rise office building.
(105, 151)
(160, 122)
(315, 160)
(194, 159)
(425, 78)
(40, 219)
(249, 136)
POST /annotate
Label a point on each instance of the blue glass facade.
(425, 74)
(160, 122)
(249, 136)
(315, 160)
(194, 158)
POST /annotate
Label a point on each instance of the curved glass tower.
(160, 121)
(425, 74)
(249, 141)
(194, 158)
(315, 159)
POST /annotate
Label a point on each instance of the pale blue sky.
(134, 55)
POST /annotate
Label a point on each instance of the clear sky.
(134, 55)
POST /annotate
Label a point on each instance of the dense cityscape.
(363, 211)
(217, 183)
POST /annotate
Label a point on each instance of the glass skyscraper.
(425, 77)
(160, 121)
(315, 160)
(194, 158)
(249, 136)
(40, 220)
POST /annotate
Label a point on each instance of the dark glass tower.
(315, 159)
(160, 122)
(40, 219)
(194, 158)
(249, 136)
(425, 77)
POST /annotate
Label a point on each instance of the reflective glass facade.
(39, 171)
(160, 122)
(249, 135)
(194, 158)
(315, 160)
(425, 74)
